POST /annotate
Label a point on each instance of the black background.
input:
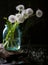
(37, 33)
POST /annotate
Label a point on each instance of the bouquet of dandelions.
(14, 20)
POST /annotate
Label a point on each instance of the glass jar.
(16, 43)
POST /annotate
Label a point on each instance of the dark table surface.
(26, 55)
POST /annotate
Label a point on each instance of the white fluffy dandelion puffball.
(24, 14)
(19, 18)
(29, 11)
(12, 18)
(39, 13)
(20, 8)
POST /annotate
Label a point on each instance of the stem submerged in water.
(10, 34)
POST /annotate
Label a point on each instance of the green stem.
(10, 35)
(11, 31)
(5, 43)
